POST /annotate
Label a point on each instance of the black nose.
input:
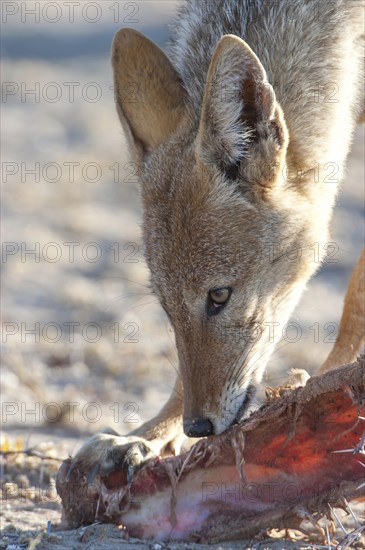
(198, 427)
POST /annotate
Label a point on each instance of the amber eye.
(217, 299)
(219, 295)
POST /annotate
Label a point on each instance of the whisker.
(172, 364)
(133, 308)
(240, 380)
(126, 297)
(177, 392)
(118, 277)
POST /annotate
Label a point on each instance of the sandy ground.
(84, 344)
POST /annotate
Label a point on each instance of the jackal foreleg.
(351, 336)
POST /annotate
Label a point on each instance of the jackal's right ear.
(242, 128)
(148, 91)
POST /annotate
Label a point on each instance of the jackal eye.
(217, 299)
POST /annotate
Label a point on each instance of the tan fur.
(227, 161)
(351, 335)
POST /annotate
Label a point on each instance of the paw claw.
(130, 474)
(105, 453)
(69, 473)
(93, 472)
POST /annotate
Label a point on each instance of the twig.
(31, 452)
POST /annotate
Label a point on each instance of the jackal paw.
(104, 453)
(297, 378)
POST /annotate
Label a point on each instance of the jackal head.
(218, 217)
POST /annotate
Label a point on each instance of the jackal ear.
(240, 118)
(148, 91)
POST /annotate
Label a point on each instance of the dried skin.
(268, 472)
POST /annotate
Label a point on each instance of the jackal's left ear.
(242, 128)
(148, 92)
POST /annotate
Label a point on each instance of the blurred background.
(84, 344)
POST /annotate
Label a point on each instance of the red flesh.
(260, 474)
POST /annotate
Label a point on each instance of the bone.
(280, 466)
